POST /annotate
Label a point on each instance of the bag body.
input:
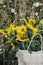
(25, 58)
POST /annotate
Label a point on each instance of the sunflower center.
(22, 38)
(22, 29)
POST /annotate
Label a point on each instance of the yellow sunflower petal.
(21, 38)
(32, 21)
(41, 21)
(21, 29)
(13, 46)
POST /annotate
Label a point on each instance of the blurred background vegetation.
(14, 11)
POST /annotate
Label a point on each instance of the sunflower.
(2, 32)
(30, 26)
(32, 21)
(11, 28)
(21, 38)
(35, 31)
(41, 21)
(21, 29)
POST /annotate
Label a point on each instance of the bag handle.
(40, 39)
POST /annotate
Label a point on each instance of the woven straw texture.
(25, 58)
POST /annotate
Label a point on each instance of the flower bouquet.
(27, 39)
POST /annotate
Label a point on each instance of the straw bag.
(25, 58)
